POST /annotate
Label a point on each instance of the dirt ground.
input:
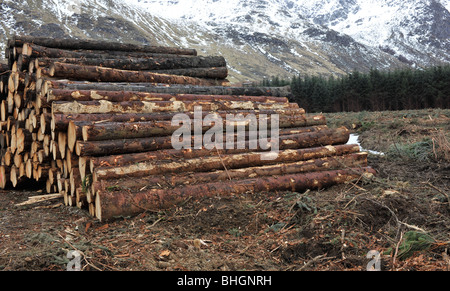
(403, 214)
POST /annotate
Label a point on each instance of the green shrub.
(420, 151)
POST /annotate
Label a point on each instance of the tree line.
(401, 89)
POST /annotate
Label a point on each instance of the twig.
(396, 249)
(154, 223)
(315, 259)
(40, 198)
(84, 256)
(437, 189)
(223, 164)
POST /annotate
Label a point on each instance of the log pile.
(94, 122)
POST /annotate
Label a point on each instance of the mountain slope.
(258, 38)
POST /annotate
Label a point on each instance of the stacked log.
(94, 121)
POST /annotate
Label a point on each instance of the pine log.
(8, 157)
(4, 176)
(23, 139)
(80, 197)
(140, 64)
(121, 96)
(111, 147)
(96, 131)
(191, 178)
(60, 121)
(44, 85)
(172, 154)
(128, 130)
(45, 122)
(74, 180)
(208, 73)
(102, 74)
(202, 164)
(102, 106)
(111, 204)
(83, 44)
(37, 51)
(15, 176)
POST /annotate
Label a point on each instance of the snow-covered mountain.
(258, 38)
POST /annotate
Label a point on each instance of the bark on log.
(23, 139)
(172, 154)
(121, 96)
(60, 122)
(37, 51)
(4, 176)
(208, 73)
(111, 147)
(176, 180)
(102, 106)
(111, 204)
(129, 130)
(82, 44)
(202, 164)
(102, 74)
(140, 64)
(161, 88)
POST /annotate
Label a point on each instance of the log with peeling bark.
(192, 178)
(60, 121)
(110, 204)
(102, 74)
(37, 51)
(102, 106)
(85, 44)
(120, 96)
(203, 164)
(127, 130)
(172, 154)
(141, 64)
(98, 148)
(4, 176)
(208, 73)
(46, 85)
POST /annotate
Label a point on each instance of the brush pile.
(95, 122)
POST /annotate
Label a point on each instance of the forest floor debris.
(406, 205)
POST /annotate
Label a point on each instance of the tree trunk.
(121, 96)
(102, 74)
(129, 130)
(111, 147)
(209, 73)
(202, 164)
(82, 44)
(95, 131)
(140, 64)
(4, 176)
(192, 178)
(160, 88)
(23, 139)
(172, 154)
(60, 121)
(102, 106)
(110, 204)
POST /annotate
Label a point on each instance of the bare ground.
(330, 229)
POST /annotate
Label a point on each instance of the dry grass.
(441, 146)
